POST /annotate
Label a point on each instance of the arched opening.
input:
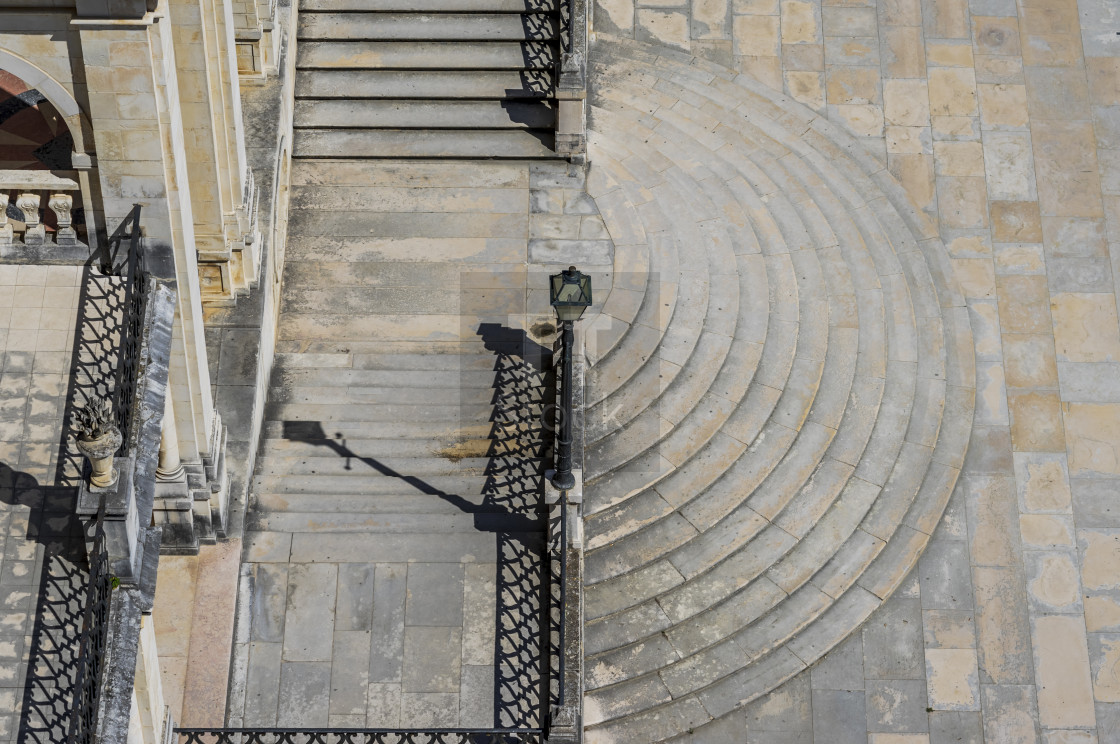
(36, 136)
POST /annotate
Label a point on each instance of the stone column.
(170, 466)
(6, 232)
(137, 126)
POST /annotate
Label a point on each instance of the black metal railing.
(91, 648)
(559, 596)
(122, 257)
(356, 736)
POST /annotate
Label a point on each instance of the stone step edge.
(813, 650)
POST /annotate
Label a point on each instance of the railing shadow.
(53, 526)
(511, 509)
(53, 564)
(539, 54)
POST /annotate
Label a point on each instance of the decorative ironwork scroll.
(129, 267)
(358, 736)
(91, 650)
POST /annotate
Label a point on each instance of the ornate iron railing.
(558, 595)
(122, 257)
(91, 649)
(357, 736)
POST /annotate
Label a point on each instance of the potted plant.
(99, 439)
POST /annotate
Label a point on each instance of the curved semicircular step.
(775, 432)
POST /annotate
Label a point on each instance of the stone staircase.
(401, 451)
(780, 393)
(434, 78)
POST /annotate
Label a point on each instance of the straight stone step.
(452, 431)
(428, 26)
(406, 501)
(386, 481)
(342, 459)
(425, 114)
(451, 276)
(407, 174)
(496, 458)
(447, 84)
(430, 6)
(415, 143)
(372, 447)
(420, 55)
(367, 357)
(361, 378)
(395, 524)
(459, 547)
(359, 301)
(374, 415)
(473, 396)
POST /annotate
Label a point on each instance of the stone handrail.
(571, 85)
(29, 189)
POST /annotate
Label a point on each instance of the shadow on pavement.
(512, 509)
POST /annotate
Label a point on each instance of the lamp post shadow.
(511, 508)
(45, 538)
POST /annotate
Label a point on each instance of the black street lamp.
(570, 294)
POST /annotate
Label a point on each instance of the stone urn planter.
(99, 439)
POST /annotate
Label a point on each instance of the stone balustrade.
(30, 192)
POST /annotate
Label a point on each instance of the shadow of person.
(511, 508)
(45, 571)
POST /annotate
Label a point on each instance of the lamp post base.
(564, 481)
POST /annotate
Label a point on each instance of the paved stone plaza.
(851, 359)
(852, 426)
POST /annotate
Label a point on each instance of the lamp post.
(570, 294)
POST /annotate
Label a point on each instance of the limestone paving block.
(422, 27)
(430, 709)
(262, 686)
(476, 697)
(349, 673)
(897, 706)
(432, 659)
(270, 583)
(1003, 633)
(309, 611)
(305, 689)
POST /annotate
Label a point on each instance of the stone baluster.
(62, 205)
(6, 233)
(170, 467)
(28, 203)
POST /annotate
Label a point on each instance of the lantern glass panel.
(570, 294)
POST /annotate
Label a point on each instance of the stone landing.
(392, 569)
